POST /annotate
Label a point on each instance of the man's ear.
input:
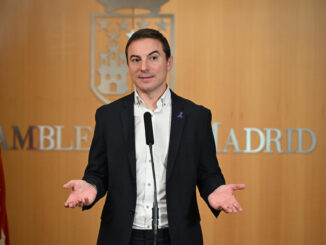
(170, 63)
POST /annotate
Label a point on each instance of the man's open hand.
(82, 193)
(222, 198)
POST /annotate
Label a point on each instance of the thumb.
(238, 187)
(69, 184)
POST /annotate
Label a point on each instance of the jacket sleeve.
(96, 172)
(209, 173)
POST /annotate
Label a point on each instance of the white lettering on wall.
(58, 147)
(269, 140)
(82, 138)
(46, 135)
(248, 140)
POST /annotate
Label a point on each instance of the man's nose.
(144, 66)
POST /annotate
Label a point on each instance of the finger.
(70, 199)
(234, 209)
(74, 204)
(238, 206)
(80, 202)
(69, 205)
(230, 208)
(86, 201)
(67, 202)
(227, 209)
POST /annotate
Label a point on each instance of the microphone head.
(148, 128)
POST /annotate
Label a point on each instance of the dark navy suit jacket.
(191, 162)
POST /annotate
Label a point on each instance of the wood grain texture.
(253, 63)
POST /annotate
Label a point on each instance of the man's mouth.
(145, 77)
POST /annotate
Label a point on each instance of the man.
(184, 157)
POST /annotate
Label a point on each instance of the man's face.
(147, 65)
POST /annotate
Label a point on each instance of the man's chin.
(146, 89)
(150, 89)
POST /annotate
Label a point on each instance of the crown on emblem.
(153, 5)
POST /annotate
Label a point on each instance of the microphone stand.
(155, 210)
(150, 141)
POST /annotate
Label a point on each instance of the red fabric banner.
(4, 234)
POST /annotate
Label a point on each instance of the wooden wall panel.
(257, 64)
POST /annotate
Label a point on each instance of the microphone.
(148, 128)
(150, 141)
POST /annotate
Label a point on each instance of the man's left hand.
(222, 198)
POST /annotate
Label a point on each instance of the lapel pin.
(180, 115)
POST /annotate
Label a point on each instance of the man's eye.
(154, 58)
(135, 60)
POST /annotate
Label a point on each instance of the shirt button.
(149, 160)
(147, 226)
(147, 206)
(149, 184)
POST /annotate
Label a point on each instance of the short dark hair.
(149, 33)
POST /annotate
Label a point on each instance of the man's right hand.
(82, 193)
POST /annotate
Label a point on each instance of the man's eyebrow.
(154, 52)
(151, 53)
(134, 56)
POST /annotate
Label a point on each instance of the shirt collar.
(164, 100)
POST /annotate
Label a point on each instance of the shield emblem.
(109, 35)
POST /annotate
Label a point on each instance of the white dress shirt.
(161, 120)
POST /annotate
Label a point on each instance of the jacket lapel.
(178, 119)
(128, 127)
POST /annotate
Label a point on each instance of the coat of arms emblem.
(109, 35)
